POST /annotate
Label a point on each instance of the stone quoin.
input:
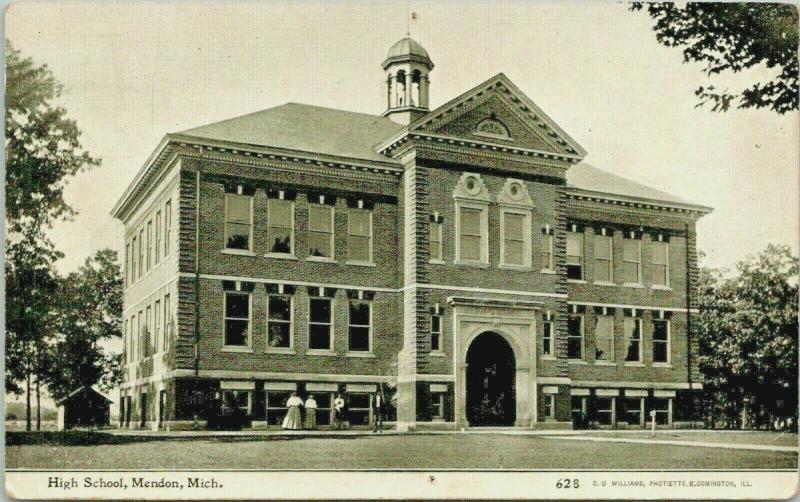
(463, 261)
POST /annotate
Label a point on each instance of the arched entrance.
(491, 392)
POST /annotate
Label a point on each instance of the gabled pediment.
(496, 111)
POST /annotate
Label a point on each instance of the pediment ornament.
(515, 193)
(471, 186)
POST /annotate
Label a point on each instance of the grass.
(472, 451)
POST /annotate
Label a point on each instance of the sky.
(133, 72)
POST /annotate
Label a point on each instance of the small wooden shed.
(84, 407)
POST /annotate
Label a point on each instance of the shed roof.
(78, 391)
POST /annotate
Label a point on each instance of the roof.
(79, 390)
(306, 128)
(584, 176)
(405, 49)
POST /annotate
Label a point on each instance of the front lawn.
(739, 437)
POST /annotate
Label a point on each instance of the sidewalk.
(702, 444)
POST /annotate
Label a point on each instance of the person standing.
(310, 421)
(338, 409)
(378, 410)
(292, 420)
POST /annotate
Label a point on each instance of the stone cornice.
(585, 198)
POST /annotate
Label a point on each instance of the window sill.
(604, 363)
(321, 259)
(659, 287)
(280, 350)
(281, 256)
(548, 358)
(238, 252)
(577, 361)
(548, 271)
(633, 364)
(510, 266)
(476, 264)
(576, 281)
(321, 352)
(662, 365)
(236, 348)
(436, 262)
(361, 263)
(437, 353)
(635, 285)
(360, 354)
(604, 283)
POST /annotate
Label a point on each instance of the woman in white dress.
(293, 421)
(310, 422)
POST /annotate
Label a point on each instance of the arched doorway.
(491, 368)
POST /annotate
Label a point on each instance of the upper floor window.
(238, 221)
(633, 339)
(157, 327)
(632, 259)
(127, 264)
(165, 340)
(359, 324)
(320, 323)
(435, 238)
(237, 319)
(574, 254)
(359, 235)
(280, 226)
(472, 220)
(575, 336)
(660, 262)
(603, 257)
(661, 341)
(320, 230)
(548, 338)
(436, 333)
(548, 257)
(604, 338)
(149, 244)
(279, 321)
(515, 224)
(157, 247)
(141, 252)
(133, 259)
(167, 226)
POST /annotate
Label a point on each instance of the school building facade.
(465, 261)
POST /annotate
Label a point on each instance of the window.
(237, 319)
(157, 247)
(436, 333)
(663, 409)
(547, 252)
(661, 352)
(280, 231)
(276, 406)
(575, 337)
(633, 339)
(279, 323)
(320, 230)
(127, 264)
(661, 263)
(516, 238)
(575, 256)
(633, 410)
(238, 221)
(549, 406)
(359, 235)
(133, 260)
(471, 235)
(167, 324)
(319, 325)
(604, 409)
(547, 339)
(324, 408)
(632, 261)
(604, 338)
(435, 236)
(437, 405)
(578, 408)
(603, 258)
(238, 399)
(148, 334)
(157, 343)
(141, 252)
(149, 244)
(360, 408)
(167, 226)
(359, 326)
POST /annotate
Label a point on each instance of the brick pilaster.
(560, 250)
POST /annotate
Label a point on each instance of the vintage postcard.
(418, 249)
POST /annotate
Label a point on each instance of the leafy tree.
(43, 151)
(732, 37)
(748, 329)
(90, 315)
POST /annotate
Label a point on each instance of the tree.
(90, 314)
(732, 37)
(43, 151)
(748, 329)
